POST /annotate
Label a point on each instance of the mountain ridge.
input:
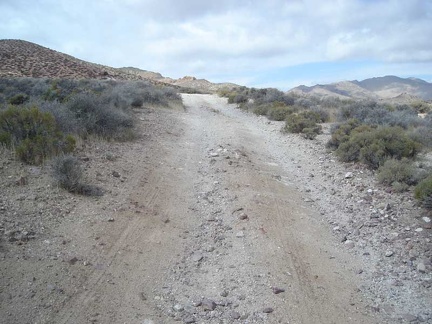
(388, 87)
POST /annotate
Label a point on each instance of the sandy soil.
(214, 217)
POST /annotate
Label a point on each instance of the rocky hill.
(380, 88)
(202, 85)
(20, 58)
(25, 59)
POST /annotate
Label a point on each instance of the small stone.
(214, 154)
(110, 219)
(73, 260)
(426, 219)
(389, 253)
(243, 216)
(268, 310)
(235, 315)
(277, 290)
(240, 234)
(349, 175)
(418, 230)
(421, 267)
(409, 318)
(115, 174)
(224, 293)
(197, 257)
(208, 305)
(189, 320)
(178, 307)
(148, 321)
(349, 244)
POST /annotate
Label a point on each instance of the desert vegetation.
(43, 118)
(384, 137)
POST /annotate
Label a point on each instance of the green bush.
(374, 145)
(34, 134)
(423, 192)
(396, 171)
(279, 111)
(341, 133)
(18, 99)
(305, 121)
(261, 110)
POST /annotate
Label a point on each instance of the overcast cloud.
(255, 43)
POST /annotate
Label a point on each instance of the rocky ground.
(211, 216)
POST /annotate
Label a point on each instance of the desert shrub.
(18, 99)
(373, 146)
(396, 171)
(68, 174)
(64, 117)
(261, 110)
(279, 111)
(34, 134)
(341, 133)
(423, 192)
(303, 121)
(97, 117)
(324, 115)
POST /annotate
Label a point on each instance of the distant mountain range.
(380, 88)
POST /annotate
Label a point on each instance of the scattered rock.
(197, 257)
(178, 308)
(243, 216)
(110, 219)
(73, 260)
(214, 154)
(224, 293)
(426, 219)
(268, 310)
(277, 290)
(115, 174)
(421, 267)
(240, 234)
(208, 304)
(389, 253)
(349, 175)
(189, 320)
(235, 315)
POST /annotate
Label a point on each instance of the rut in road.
(220, 233)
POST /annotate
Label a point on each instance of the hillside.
(380, 88)
(25, 59)
(185, 82)
(20, 58)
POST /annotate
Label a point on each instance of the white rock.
(426, 219)
(389, 253)
(240, 234)
(419, 229)
(349, 175)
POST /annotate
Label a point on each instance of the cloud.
(226, 38)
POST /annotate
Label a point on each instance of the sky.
(264, 43)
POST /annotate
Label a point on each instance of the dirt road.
(209, 227)
(223, 235)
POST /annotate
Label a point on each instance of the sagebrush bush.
(303, 122)
(423, 192)
(68, 174)
(97, 117)
(392, 171)
(34, 134)
(374, 145)
(279, 111)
